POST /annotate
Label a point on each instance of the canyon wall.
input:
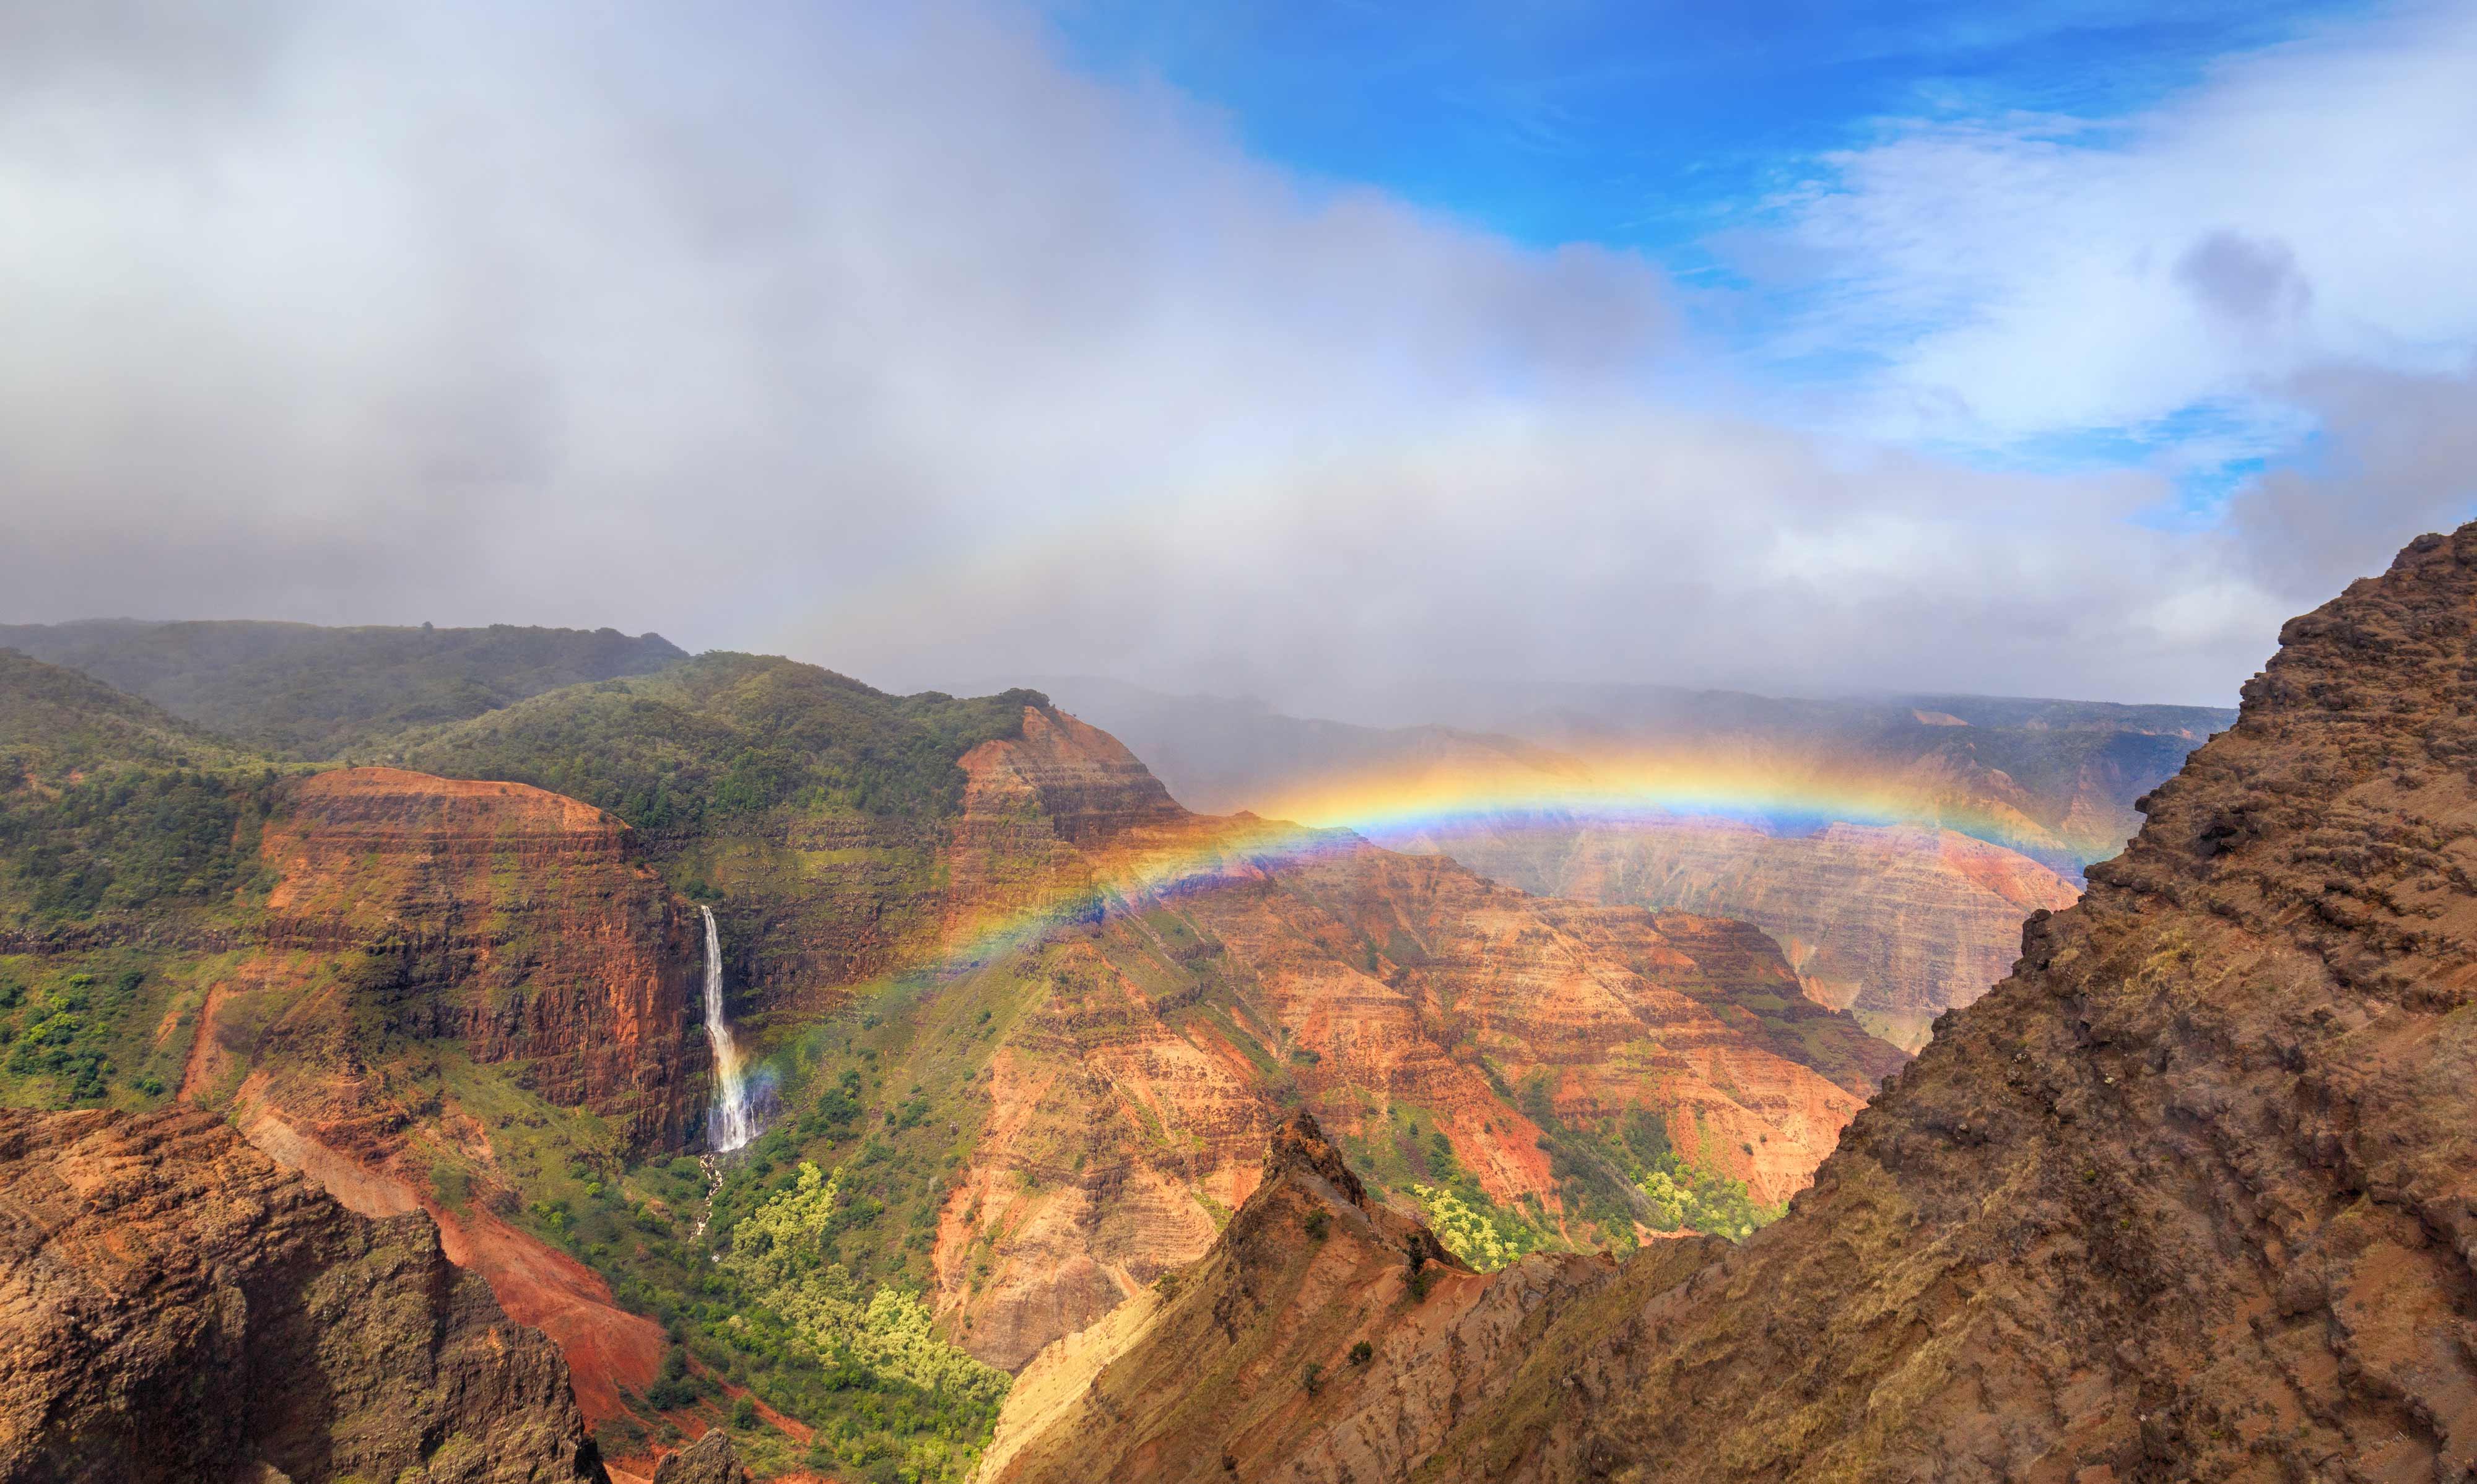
(1894, 924)
(1156, 1034)
(520, 926)
(174, 1307)
(2193, 1195)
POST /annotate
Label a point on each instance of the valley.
(1891, 846)
(2185, 1196)
(1237, 743)
(1081, 1126)
(1017, 1027)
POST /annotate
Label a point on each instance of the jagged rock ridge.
(2192, 1195)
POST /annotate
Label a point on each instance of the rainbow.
(1423, 810)
(1634, 788)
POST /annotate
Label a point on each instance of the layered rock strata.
(1894, 924)
(175, 1307)
(1165, 1031)
(2192, 1195)
(520, 923)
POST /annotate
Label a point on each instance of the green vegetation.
(1683, 1195)
(779, 1256)
(304, 691)
(719, 741)
(55, 723)
(112, 1026)
(801, 1286)
(1474, 1228)
(129, 855)
(123, 839)
(110, 808)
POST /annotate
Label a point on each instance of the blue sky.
(1685, 132)
(1638, 125)
(1276, 349)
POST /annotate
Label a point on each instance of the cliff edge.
(2192, 1195)
(176, 1307)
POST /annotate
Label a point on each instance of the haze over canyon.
(1022, 741)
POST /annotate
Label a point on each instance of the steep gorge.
(1155, 1038)
(2193, 1195)
(1045, 1030)
(1895, 923)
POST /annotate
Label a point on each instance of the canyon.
(2188, 1195)
(1056, 1040)
(1891, 846)
(1042, 1021)
(1145, 1038)
(1895, 923)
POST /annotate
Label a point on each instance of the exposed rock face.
(1079, 778)
(515, 922)
(1741, 977)
(1250, 1365)
(175, 1307)
(1131, 1099)
(1587, 1003)
(1895, 925)
(2193, 1196)
(709, 1460)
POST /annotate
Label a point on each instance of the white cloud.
(877, 334)
(2030, 278)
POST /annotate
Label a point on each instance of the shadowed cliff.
(174, 1307)
(2193, 1195)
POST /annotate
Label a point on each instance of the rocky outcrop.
(1323, 1337)
(174, 1307)
(2192, 1195)
(1894, 924)
(517, 923)
(709, 1460)
(1078, 778)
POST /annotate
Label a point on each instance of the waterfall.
(732, 1125)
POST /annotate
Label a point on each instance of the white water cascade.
(733, 1127)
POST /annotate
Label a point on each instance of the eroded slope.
(2192, 1195)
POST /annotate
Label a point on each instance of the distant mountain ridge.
(2055, 780)
(1020, 1025)
(301, 690)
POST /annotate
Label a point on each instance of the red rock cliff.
(519, 923)
(1130, 1100)
(2192, 1195)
